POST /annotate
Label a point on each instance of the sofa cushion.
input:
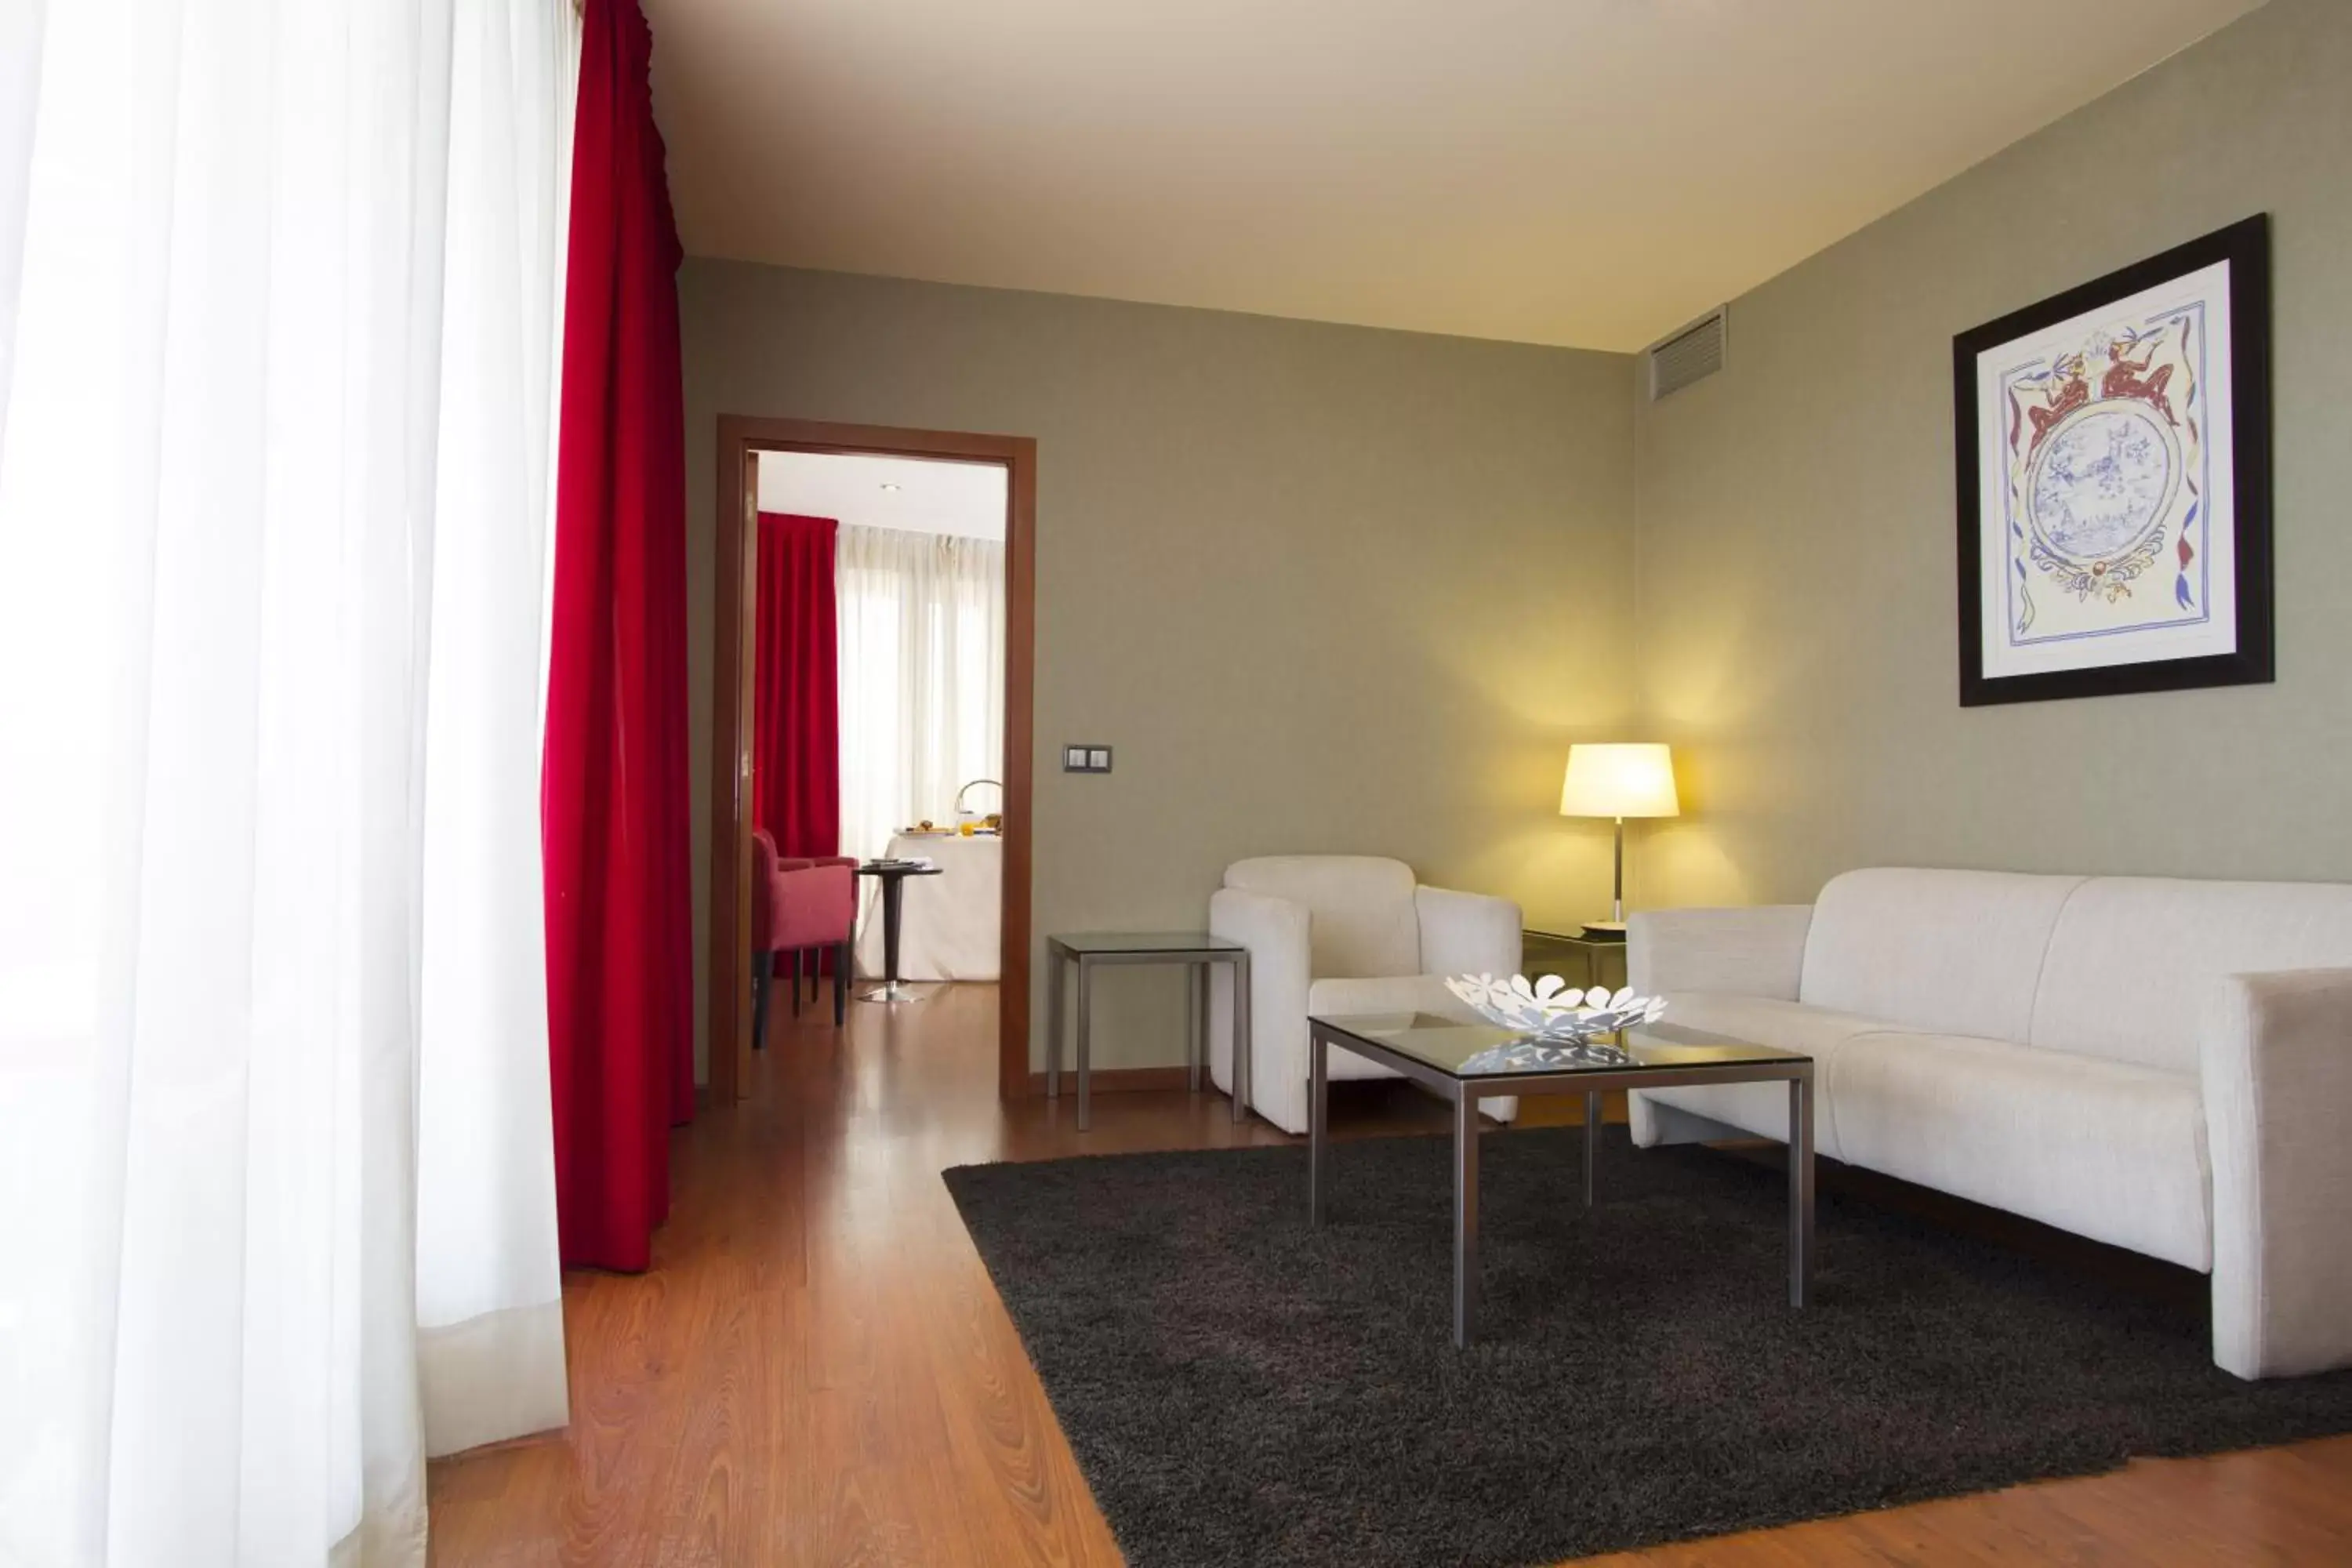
(1362, 919)
(1755, 952)
(1818, 1032)
(1762, 1109)
(2103, 1149)
(2133, 959)
(1952, 951)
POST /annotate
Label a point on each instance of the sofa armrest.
(1757, 952)
(1467, 933)
(2276, 1061)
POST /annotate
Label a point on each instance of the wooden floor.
(817, 1370)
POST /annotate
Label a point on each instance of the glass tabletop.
(1530, 937)
(1141, 941)
(1471, 1050)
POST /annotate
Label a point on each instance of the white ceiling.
(930, 497)
(1591, 173)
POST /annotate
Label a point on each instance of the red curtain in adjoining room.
(613, 788)
(796, 689)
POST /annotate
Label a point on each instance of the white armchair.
(1335, 934)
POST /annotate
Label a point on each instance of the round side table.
(893, 875)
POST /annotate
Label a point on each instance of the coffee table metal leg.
(1800, 1186)
(1053, 1023)
(1086, 1031)
(1319, 1132)
(1591, 1143)
(1241, 1062)
(1465, 1218)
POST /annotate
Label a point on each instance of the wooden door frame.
(740, 439)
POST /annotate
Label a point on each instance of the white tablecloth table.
(948, 929)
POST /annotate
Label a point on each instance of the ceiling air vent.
(1692, 355)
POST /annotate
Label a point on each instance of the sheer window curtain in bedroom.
(922, 677)
(280, 307)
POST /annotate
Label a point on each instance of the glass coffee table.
(1459, 1062)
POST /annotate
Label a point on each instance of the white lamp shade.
(1625, 779)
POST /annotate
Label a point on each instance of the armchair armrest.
(1276, 932)
(2276, 1062)
(1273, 929)
(816, 906)
(1466, 933)
(1757, 952)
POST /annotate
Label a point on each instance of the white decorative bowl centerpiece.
(1562, 1025)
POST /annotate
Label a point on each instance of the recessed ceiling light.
(888, 486)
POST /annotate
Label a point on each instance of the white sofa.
(2162, 1065)
(1336, 934)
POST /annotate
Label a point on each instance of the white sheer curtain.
(921, 630)
(278, 311)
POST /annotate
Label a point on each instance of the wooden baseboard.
(1116, 1080)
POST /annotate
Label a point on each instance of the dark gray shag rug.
(1241, 1389)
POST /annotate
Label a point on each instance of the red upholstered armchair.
(799, 905)
(816, 907)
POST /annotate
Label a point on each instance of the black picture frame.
(2245, 246)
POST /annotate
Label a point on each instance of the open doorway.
(908, 554)
(917, 547)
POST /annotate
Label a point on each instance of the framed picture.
(2113, 465)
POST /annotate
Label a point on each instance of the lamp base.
(1604, 930)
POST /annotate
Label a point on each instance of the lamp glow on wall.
(1619, 781)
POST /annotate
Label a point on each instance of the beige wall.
(1796, 545)
(1323, 588)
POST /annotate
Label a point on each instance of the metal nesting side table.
(1543, 951)
(1195, 950)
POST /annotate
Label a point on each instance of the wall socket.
(1087, 759)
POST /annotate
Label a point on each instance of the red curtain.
(795, 695)
(613, 786)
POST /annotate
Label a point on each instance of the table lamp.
(1618, 781)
